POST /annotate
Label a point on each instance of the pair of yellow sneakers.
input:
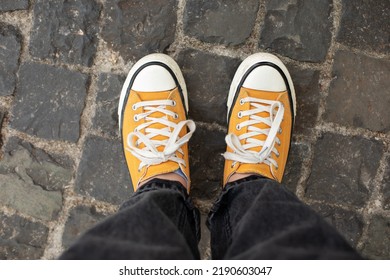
(155, 129)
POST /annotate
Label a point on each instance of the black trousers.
(254, 218)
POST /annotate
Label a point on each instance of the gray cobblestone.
(378, 245)
(12, 5)
(9, 56)
(107, 100)
(297, 29)
(102, 173)
(21, 238)
(134, 34)
(292, 174)
(208, 80)
(343, 169)
(386, 187)
(359, 92)
(363, 25)
(80, 219)
(31, 180)
(49, 102)
(228, 22)
(306, 85)
(65, 31)
(349, 223)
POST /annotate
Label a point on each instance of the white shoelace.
(150, 155)
(241, 153)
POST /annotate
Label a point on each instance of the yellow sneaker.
(261, 111)
(153, 123)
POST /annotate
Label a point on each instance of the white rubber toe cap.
(153, 78)
(265, 78)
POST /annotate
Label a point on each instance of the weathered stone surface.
(228, 22)
(359, 92)
(10, 44)
(298, 153)
(107, 100)
(348, 223)
(378, 244)
(208, 79)
(136, 28)
(102, 172)
(12, 5)
(49, 102)
(365, 24)
(307, 92)
(80, 219)
(343, 169)
(386, 187)
(65, 31)
(297, 29)
(206, 164)
(20, 238)
(31, 180)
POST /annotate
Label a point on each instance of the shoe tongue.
(149, 96)
(261, 95)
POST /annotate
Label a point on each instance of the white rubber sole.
(156, 57)
(247, 64)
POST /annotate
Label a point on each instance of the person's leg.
(158, 222)
(256, 217)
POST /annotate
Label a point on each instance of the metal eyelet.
(136, 118)
(280, 131)
(176, 116)
(173, 103)
(238, 127)
(242, 101)
(134, 108)
(239, 114)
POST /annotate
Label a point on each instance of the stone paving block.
(31, 180)
(10, 44)
(365, 24)
(378, 244)
(307, 91)
(12, 5)
(386, 186)
(20, 238)
(298, 153)
(136, 28)
(343, 169)
(348, 223)
(49, 102)
(106, 117)
(359, 93)
(65, 31)
(297, 29)
(80, 219)
(208, 79)
(102, 173)
(227, 22)
(206, 162)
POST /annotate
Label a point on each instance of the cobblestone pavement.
(62, 64)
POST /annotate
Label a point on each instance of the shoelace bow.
(149, 154)
(241, 153)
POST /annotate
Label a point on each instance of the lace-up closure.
(147, 147)
(152, 113)
(261, 109)
(247, 152)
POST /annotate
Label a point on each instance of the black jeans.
(254, 218)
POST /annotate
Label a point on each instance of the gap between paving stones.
(23, 21)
